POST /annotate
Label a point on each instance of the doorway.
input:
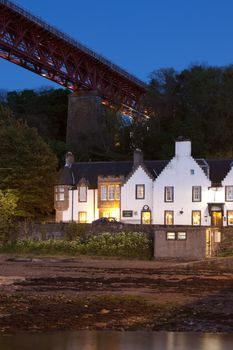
(216, 218)
(146, 217)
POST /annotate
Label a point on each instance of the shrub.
(124, 245)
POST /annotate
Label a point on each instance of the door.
(216, 218)
(146, 217)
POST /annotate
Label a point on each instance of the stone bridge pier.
(84, 121)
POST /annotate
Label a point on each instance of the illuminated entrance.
(216, 213)
(216, 218)
(146, 215)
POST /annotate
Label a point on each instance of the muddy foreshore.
(51, 294)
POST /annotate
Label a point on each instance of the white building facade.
(182, 191)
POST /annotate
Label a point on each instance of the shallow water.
(91, 340)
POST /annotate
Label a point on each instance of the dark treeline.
(196, 103)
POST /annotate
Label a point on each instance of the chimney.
(69, 159)
(183, 147)
(137, 157)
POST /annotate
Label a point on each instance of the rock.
(104, 311)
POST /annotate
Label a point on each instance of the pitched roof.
(218, 169)
(91, 170)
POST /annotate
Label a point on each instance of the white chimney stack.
(183, 147)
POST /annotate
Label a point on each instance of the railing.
(12, 5)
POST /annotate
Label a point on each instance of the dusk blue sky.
(138, 35)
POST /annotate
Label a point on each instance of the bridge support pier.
(84, 120)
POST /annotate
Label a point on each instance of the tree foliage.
(8, 213)
(27, 166)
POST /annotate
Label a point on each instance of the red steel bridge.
(29, 42)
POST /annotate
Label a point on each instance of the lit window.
(171, 236)
(82, 217)
(59, 193)
(140, 191)
(169, 194)
(229, 193)
(196, 217)
(117, 192)
(169, 217)
(82, 194)
(103, 194)
(181, 236)
(111, 192)
(230, 218)
(196, 193)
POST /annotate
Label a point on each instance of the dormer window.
(82, 194)
(59, 193)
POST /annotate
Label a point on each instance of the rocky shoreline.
(59, 294)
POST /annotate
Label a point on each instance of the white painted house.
(182, 191)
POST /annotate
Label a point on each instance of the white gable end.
(181, 173)
(129, 202)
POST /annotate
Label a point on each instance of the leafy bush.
(124, 245)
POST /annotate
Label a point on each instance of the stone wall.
(57, 230)
(191, 248)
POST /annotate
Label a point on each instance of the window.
(171, 236)
(196, 217)
(140, 191)
(230, 218)
(181, 236)
(82, 194)
(169, 194)
(82, 217)
(196, 193)
(103, 193)
(229, 193)
(169, 217)
(59, 193)
(117, 192)
(192, 172)
(111, 192)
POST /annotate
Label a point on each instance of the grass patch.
(124, 245)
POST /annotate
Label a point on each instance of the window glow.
(169, 217)
(82, 217)
(196, 217)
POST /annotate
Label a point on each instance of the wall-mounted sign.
(127, 213)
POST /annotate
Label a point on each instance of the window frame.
(196, 211)
(167, 236)
(165, 194)
(226, 188)
(117, 192)
(231, 211)
(200, 194)
(79, 197)
(113, 193)
(166, 212)
(136, 191)
(182, 239)
(59, 190)
(106, 192)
